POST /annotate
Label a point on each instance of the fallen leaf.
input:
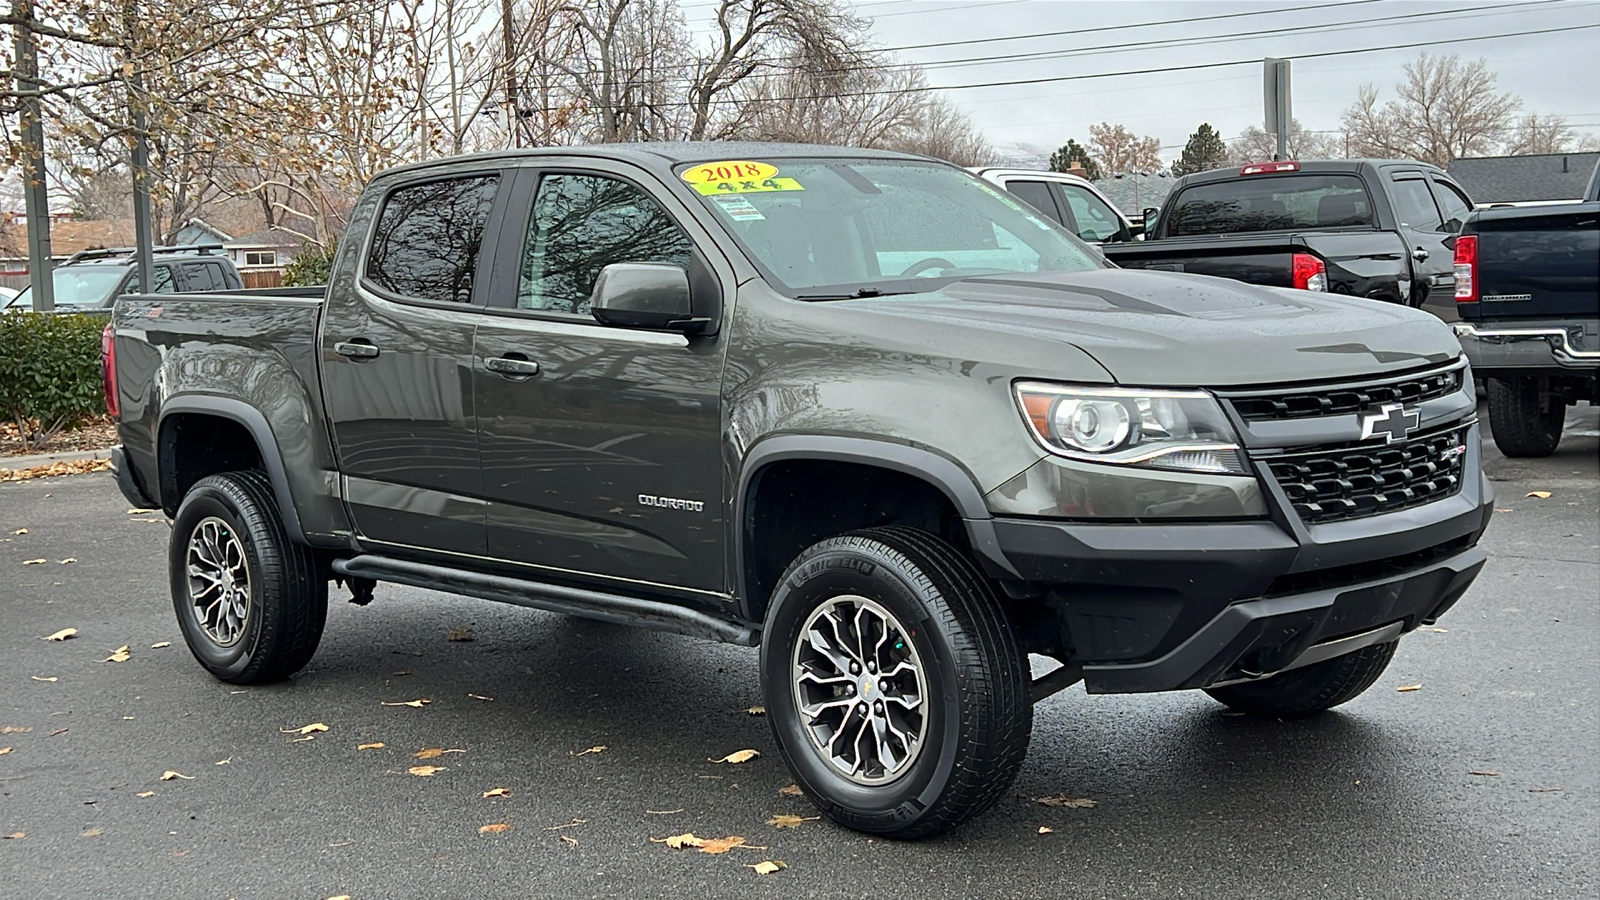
(768, 866)
(573, 824)
(480, 697)
(1066, 801)
(1440, 630)
(313, 728)
(663, 812)
(136, 512)
(1405, 688)
(1503, 510)
(340, 897)
(738, 756)
(569, 840)
(302, 740)
(143, 794)
(494, 828)
(159, 644)
(58, 731)
(459, 634)
(785, 820)
(68, 561)
(16, 836)
(20, 531)
(418, 703)
(425, 771)
(5, 750)
(429, 753)
(91, 833)
(63, 634)
(223, 762)
(757, 710)
(597, 748)
(375, 745)
(1046, 829)
(1487, 772)
(51, 678)
(402, 672)
(792, 790)
(1542, 495)
(120, 655)
(679, 841)
(1544, 790)
(496, 792)
(170, 775)
(16, 729)
(34, 562)
(721, 845)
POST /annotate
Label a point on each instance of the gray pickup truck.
(860, 408)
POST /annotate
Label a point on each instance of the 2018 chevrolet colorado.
(860, 408)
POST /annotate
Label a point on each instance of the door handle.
(516, 366)
(356, 349)
(1419, 254)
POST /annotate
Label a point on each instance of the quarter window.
(428, 236)
(580, 225)
(1453, 203)
(198, 277)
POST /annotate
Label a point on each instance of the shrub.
(311, 266)
(49, 373)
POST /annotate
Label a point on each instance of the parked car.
(860, 408)
(1528, 289)
(93, 279)
(1366, 228)
(1073, 202)
(6, 294)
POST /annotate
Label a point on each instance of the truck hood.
(1170, 329)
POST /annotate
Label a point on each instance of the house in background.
(1544, 178)
(262, 252)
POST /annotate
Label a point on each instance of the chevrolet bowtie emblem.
(1392, 421)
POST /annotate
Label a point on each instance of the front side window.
(829, 228)
(1270, 203)
(1096, 221)
(580, 225)
(1413, 204)
(426, 243)
(1037, 195)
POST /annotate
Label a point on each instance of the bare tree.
(1445, 109)
(1255, 145)
(1119, 151)
(1535, 134)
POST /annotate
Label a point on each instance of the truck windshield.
(76, 286)
(834, 228)
(1270, 203)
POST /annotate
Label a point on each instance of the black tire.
(1309, 690)
(976, 708)
(1525, 416)
(286, 599)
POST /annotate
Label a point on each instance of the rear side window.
(1037, 195)
(428, 236)
(199, 276)
(1453, 203)
(1413, 205)
(1271, 203)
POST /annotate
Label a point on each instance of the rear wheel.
(1525, 416)
(894, 686)
(1311, 689)
(250, 602)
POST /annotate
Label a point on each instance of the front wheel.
(895, 689)
(1311, 689)
(250, 602)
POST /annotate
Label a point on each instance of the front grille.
(1334, 484)
(1308, 402)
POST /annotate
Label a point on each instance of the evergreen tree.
(1205, 150)
(1070, 152)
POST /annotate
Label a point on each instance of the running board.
(615, 608)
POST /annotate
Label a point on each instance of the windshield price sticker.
(738, 208)
(748, 186)
(738, 178)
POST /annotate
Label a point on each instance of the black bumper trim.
(127, 482)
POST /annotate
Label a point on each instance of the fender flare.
(948, 476)
(266, 444)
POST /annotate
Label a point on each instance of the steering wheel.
(922, 265)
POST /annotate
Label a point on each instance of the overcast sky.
(1554, 73)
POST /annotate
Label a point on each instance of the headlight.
(1183, 430)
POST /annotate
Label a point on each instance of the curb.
(17, 463)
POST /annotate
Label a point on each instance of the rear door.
(601, 446)
(397, 363)
(1422, 225)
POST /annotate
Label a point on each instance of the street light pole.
(35, 187)
(144, 245)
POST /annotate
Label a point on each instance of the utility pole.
(144, 245)
(35, 189)
(507, 37)
(1275, 100)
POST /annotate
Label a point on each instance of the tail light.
(1467, 268)
(1267, 168)
(1310, 273)
(108, 368)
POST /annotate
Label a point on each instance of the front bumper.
(1529, 345)
(1155, 607)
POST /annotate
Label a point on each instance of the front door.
(397, 366)
(600, 445)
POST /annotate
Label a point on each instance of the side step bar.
(551, 597)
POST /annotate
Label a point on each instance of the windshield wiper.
(861, 294)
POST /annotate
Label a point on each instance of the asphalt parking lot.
(1482, 782)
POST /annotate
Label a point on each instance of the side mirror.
(1149, 215)
(644, 295)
